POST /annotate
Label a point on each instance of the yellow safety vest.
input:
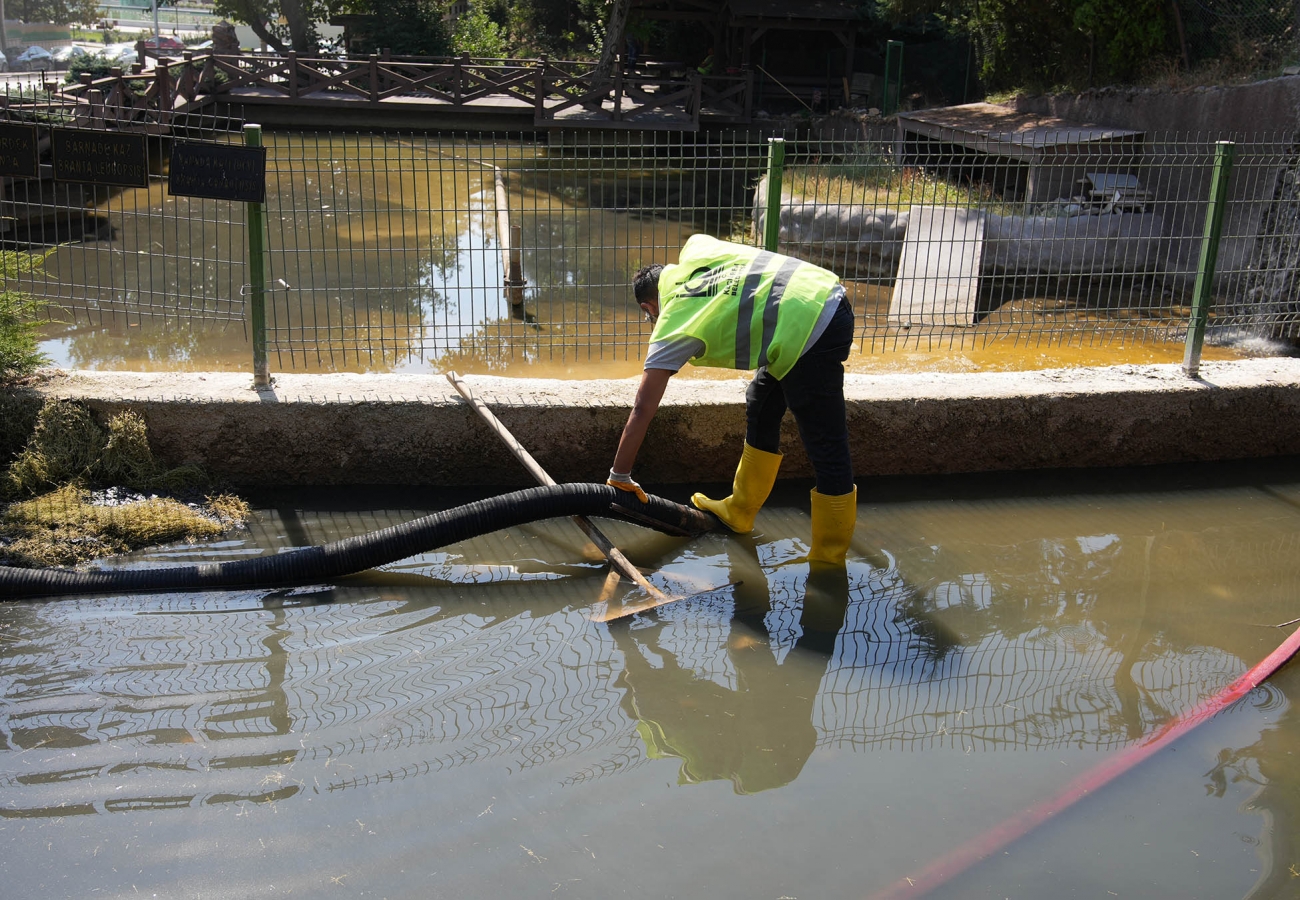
(750, 307)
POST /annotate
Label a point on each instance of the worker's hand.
(624, 482)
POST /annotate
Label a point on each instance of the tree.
(1048, 43)
(406, 27)
(58, 12)
(618, 10)
(298, 32)
(477, 35)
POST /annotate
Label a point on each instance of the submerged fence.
(487, 252)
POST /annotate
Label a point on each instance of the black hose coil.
(311, 565)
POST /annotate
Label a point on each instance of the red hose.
(989, 842)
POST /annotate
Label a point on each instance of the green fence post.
(775, 167)
(1204, 287)
(893, 77)
(257, 275)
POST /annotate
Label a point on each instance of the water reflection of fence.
(394, 687)
(383, 248)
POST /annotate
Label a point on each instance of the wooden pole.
(616, 558)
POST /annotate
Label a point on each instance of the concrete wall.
(400, 429)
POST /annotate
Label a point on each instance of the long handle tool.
(617, 560)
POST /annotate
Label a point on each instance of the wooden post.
(293, 74)
(374, 79)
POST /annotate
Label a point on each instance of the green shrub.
(19, 351)
(19, 318)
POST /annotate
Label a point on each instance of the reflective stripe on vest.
(711, 295)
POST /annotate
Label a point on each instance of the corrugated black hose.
(312, 565)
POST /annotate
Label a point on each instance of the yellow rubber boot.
(833, 519)
(749, 490)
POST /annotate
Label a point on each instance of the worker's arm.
(648, 395)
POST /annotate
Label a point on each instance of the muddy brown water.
(458, 726)
(383, 256)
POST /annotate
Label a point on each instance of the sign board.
(19, 156)
(217, 172)
(100, 157)
(939, 270)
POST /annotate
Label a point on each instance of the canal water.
(384, 255)
(459, 726)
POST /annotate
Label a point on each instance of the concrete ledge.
(405, 429)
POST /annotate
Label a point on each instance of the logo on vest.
(707, 282)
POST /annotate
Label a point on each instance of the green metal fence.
(389, 252)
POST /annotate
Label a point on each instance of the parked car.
(34, 59)
(120, 54)
(64, 56)
(169, 44)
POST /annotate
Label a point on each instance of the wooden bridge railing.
(557, 92)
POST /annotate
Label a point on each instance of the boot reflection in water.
(747, 720)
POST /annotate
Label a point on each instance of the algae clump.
(56, 519)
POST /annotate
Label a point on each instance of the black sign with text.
(218, 172)
(19, 156)
(100, 157)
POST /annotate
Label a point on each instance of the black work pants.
(814, 391)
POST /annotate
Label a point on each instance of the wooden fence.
(554, 93)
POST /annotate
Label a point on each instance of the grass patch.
(67, 446)
(876, 183)
(71, 525)
(57, 519)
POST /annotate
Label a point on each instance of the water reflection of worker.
(758, 734)
(797, 334)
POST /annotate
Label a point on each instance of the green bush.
(19, 320)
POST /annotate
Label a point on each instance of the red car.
(163, 43)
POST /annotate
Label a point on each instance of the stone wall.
(414, 429)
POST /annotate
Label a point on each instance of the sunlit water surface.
(458, 726)
(383, 256)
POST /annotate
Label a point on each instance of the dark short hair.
(645, 283)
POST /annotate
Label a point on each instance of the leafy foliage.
(297, 31)
(58, 12)
(19, 320)
(405, 27)
(477, 35)
(1045, 43)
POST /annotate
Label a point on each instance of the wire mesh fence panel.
(492, 252)
(117, 255)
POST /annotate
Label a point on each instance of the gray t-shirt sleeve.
(673, 354)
